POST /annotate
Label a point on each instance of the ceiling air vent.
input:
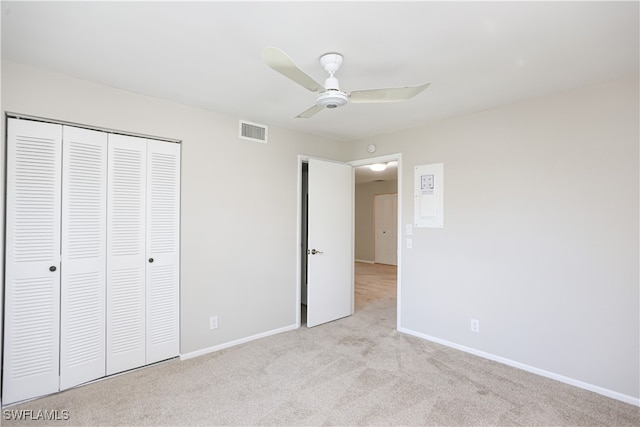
(253, 132)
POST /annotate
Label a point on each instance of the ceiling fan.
(329, 94)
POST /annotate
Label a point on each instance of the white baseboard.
(365, 261)
(236, 342)
(596, 389)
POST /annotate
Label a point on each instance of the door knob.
(313, 252)
(150, 259)
(52, 268)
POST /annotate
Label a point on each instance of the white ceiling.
(477, 55)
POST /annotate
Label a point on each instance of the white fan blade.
(310, 112)
(394, 94)
(280, 62)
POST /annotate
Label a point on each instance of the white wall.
(541, 231)
(540, 241)
(239, 199)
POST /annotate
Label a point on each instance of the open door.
(330, 242)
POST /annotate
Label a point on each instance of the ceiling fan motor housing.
(332, 99)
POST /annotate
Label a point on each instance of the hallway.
(374, 283)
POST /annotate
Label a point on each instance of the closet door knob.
(150, 259)
(52, 268)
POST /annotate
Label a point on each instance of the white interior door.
(386, 228)
(163, 256)
(126, 253)
(83, 275)
(32, 260)
(330, 243)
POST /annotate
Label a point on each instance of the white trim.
(380, 159)
(365, 261)
(9, 114)
(237, 342)
(353, 240)
(571, 381)
(400, 245)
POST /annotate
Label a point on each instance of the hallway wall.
(364, 218)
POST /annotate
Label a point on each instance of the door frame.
(384, 159)
(354, 163)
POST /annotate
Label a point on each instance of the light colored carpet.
(354, 371)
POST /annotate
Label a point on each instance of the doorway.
(377, 231)
(394, 163)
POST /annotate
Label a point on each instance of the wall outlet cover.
(213, 322)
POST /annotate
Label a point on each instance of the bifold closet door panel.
(163, 244)
(32, 260)
(84, 246)
(126, 253)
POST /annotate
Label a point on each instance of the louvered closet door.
(32, 273)
(163, 242)
(84, 201)
(126, 253)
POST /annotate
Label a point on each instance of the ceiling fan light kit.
(332, 99)
(330, 95)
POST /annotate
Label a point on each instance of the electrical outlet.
(213, 322)
(475, 326)
(409, 244)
